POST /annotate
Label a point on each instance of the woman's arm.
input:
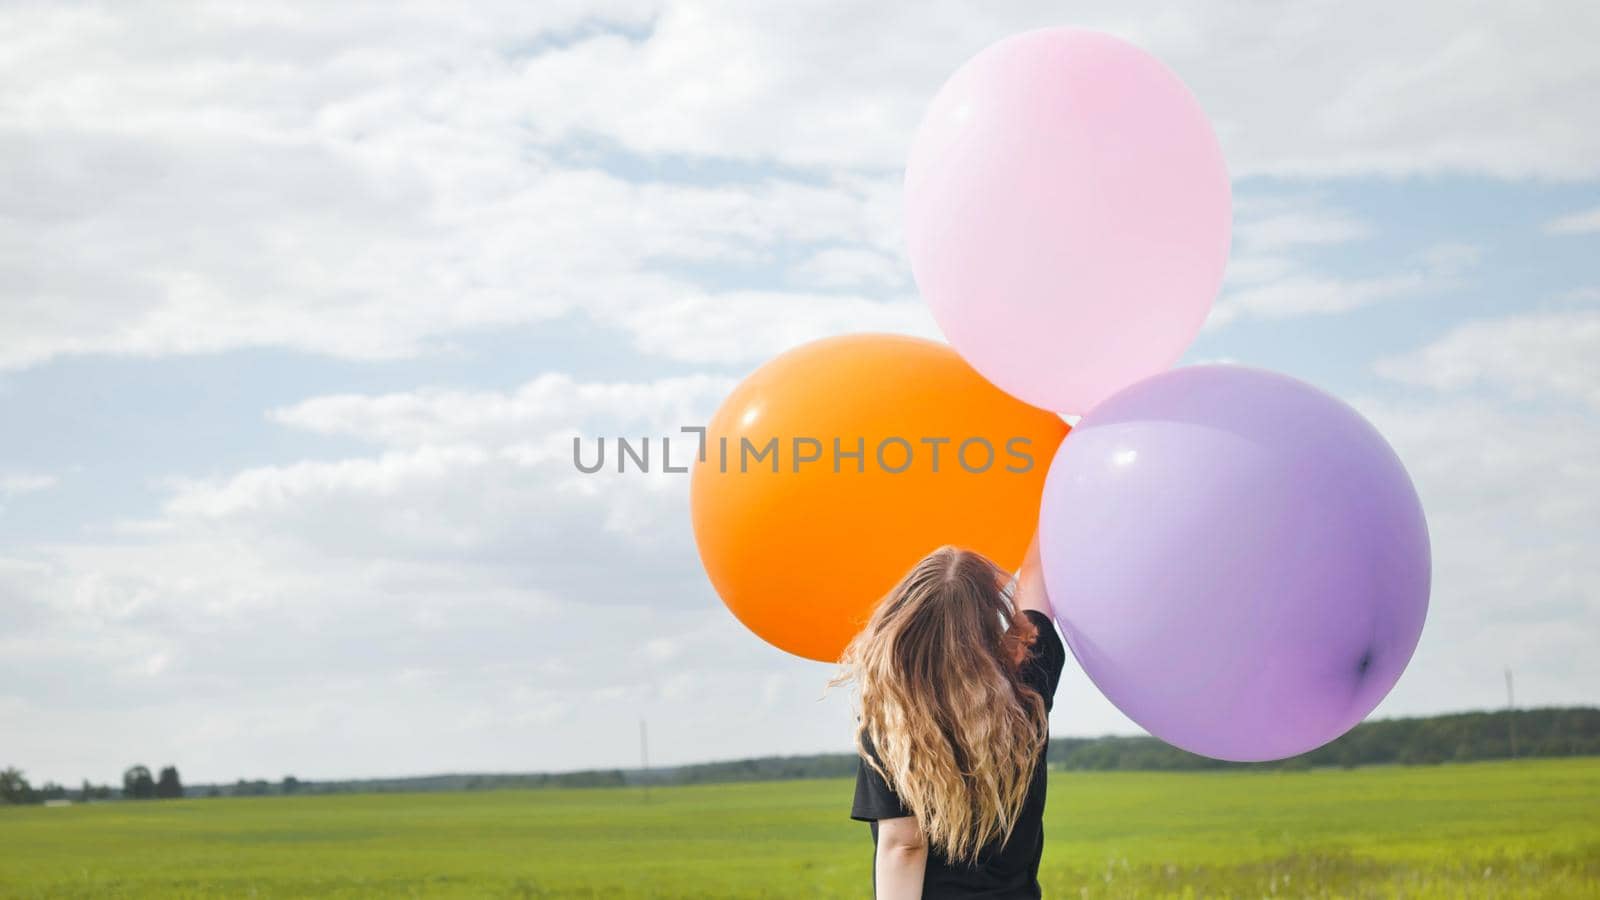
(902, 858)
(1030, 583)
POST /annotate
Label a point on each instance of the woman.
(956, 673)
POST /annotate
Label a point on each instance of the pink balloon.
(1068, 214)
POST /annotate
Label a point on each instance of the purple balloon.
(1237, 559)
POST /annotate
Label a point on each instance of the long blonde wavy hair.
(936, 673)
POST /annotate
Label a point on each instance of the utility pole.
(1511, 713)
(644, 759)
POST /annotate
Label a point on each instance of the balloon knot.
(1364, 663)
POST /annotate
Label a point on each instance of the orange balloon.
(830, 471)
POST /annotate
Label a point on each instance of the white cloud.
(351, 190)
(1579, 295)
(1269, 276)
(15, 484)
(1509, 494)
(1312, 295)
(478, 480)
(315, 248)
(755, 325)
(1502, 451)
(464, 574)
(1582, 222)
(715, 184)
(1494, 90)
(852, 267)
(1528, 357)
(553, 405)
(1274, 224)
(368, 183)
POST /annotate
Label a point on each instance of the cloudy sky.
(299, 312)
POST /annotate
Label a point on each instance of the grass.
(1523, 829)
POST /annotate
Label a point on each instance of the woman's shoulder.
(1039, 619)
(1046, 655)
(1045, 639)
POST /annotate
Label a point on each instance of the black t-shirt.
(1005, 871)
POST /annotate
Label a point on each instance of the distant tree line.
(767, 768)
(425, 783)
(259, 788)
(15, 789)
(1458, 737)
(137, 784)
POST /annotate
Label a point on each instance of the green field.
(1523, 829)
